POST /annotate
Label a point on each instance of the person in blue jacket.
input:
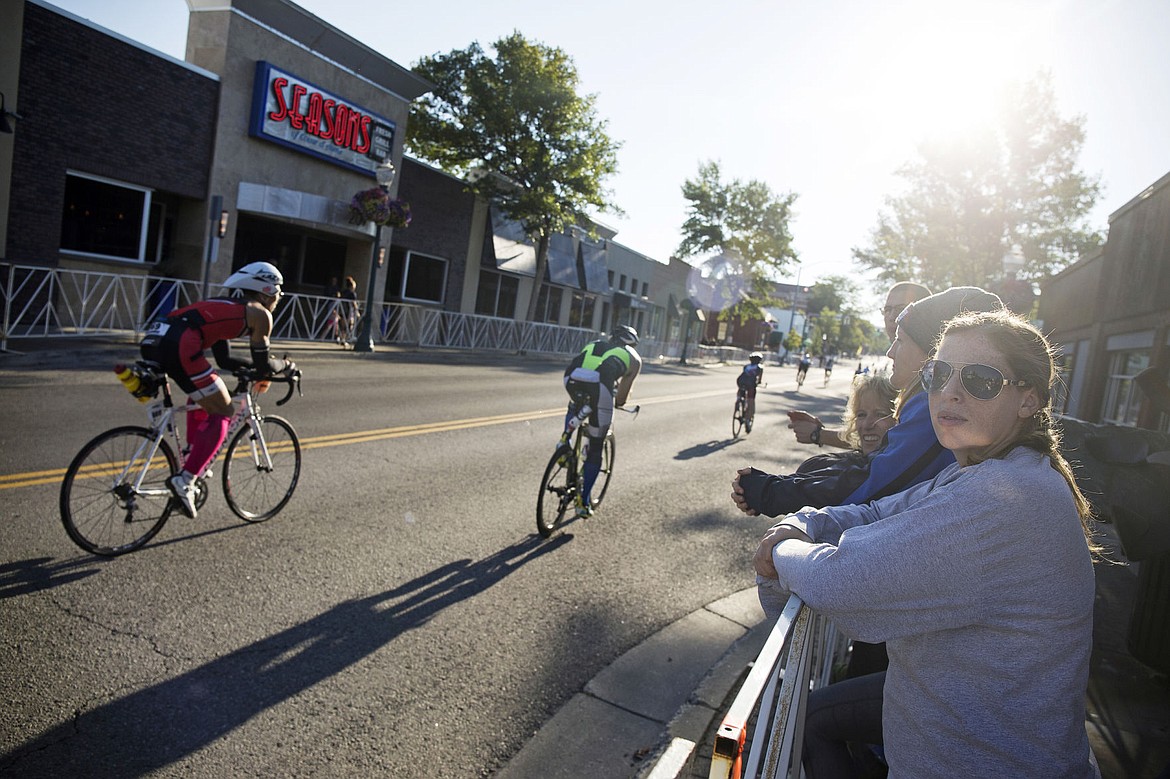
(912, 453)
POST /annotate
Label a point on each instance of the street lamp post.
(792, 316)
(365, 335)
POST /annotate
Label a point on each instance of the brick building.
(1110, 313)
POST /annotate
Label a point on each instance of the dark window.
(306, 258)
(105, 218)
(324, 259)
(425, 278)
(548, 304)
(496, 295)
(581, 311)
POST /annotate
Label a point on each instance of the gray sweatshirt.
(981, 583)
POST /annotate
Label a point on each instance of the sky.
(824, 99)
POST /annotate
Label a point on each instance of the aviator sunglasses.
(981, 382)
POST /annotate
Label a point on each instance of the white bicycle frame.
(162, 423)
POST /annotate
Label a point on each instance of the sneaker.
(747, 426)
(182, 487)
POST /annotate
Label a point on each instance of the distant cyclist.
(802, 368)
(828, 369)
(605, 371)
(749, 378)
(178, 342)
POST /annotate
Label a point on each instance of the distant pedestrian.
(347, 311)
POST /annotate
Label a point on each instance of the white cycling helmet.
(626, 334)
(756, 356)
(257, 277)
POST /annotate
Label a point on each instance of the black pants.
(841, 720)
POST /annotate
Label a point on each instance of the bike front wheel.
(114, 497)
(558, 490)
(260, 472)
(608, 452)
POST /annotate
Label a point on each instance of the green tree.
(971, 200)
(517, 117)
(745, 220)
(833, 292)
(793, 342)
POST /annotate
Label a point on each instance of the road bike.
(560, 487)
(739, 418)
(115, 496)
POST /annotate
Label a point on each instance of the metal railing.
(41, 301)
(766, 719)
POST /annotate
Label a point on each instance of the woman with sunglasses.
(980, 580)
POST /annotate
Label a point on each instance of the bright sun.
(946, 64)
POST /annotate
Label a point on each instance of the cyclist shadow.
(704, 449)
(24, 577)
(145, 731)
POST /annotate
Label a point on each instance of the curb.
(655, 703)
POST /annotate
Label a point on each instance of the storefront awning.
(513, 251)
(562, 263)
(593, 259)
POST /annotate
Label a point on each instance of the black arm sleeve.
(222, 352)
(824, 486)
(263, 363)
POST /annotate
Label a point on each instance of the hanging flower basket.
(375, 205)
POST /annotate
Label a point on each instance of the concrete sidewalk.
(658, 706)
(671, 686)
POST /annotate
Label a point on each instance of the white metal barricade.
(773, 697)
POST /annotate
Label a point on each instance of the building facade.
(251, 149)
(1110, 314)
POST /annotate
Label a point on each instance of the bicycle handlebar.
(635, 410)
(292, 379)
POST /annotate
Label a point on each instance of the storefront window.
(581, 312)
(424, 278)
(1122, 396)
(105, 218)
(496, 295)
(548, 304)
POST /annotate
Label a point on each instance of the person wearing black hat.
(912, 453)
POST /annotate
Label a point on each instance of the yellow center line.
(35, 478)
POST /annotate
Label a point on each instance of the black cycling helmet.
(625, 334)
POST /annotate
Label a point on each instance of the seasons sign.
(293, 112)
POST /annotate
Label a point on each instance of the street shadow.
(704, 449)
(142, 733)
(24, 577)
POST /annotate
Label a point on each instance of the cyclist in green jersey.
(604, 371)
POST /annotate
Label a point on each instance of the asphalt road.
(400, 617)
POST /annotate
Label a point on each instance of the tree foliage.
(745, 220)
(517, 119)
(973, 199)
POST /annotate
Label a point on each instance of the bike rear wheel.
(558, 490)
(102, 510)
(737, 418)
(261, 473)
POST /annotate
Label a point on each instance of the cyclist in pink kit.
(178, 343)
